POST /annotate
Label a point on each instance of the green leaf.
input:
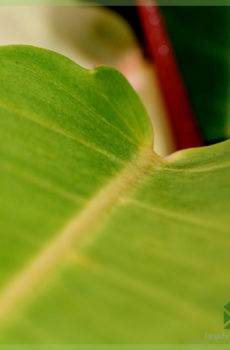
(102, 241)
(201, 37)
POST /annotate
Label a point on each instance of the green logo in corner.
(227, 316)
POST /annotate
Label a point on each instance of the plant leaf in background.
(91, 36)
(201, 40)
(102, 241)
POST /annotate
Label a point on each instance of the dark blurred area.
(131, 15)
(200, 36)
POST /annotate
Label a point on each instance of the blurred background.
(197, 38)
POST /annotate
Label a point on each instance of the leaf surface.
(102, 241)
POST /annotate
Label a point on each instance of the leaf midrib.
(19, 287)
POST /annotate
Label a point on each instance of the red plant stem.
(180, 112)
